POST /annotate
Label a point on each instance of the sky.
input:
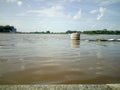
(60, 15)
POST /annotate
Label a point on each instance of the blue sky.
(60, 15)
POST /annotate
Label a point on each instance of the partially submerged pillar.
(75, 36)
(75, 43)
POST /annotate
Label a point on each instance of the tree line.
(105, 31)
(49, 32)
(7, 29)
(42, 32)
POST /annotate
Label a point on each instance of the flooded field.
(55, 59)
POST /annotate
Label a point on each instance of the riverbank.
(62, 87)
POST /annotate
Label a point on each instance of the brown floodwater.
(55, 59)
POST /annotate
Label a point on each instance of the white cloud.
(21, 14)
(93, 11)
(105, 2)
(40, 0)
(49, 12)
(10, 1)
(72, 0)
(19, 3)
(60, 0)
(101, 11)
(108, 2)
(77, 15)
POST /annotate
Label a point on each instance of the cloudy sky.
(60, 15)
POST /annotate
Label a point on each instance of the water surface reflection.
(75, 43)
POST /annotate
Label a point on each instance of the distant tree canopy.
(74, 31)
(42, 32)
(105, 31)
(7, 28)
(48, 32)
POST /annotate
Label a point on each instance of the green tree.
(7, 28)
(48, 32)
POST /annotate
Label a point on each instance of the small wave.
(7, 44)
(3, 60)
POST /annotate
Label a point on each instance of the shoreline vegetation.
(7, 29)
(12, 29)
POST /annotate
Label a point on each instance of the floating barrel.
(75, 36)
